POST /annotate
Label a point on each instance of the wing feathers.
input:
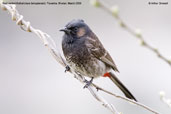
(109, 62)
(96, 48)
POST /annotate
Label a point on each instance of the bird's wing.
(97, 50)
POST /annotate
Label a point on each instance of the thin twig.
(137, 33)
(126, 99)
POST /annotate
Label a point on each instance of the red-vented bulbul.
(86, 55)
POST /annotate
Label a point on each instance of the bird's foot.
(97, 88)
(67, 68)
(88, 83)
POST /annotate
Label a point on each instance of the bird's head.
(76, 28)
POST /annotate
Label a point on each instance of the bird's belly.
(91, 68)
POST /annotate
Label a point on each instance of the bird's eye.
(75, 28)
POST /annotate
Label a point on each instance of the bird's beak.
(64, 30)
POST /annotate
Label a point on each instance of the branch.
(126, 99)
(114, 11)
(51, 46)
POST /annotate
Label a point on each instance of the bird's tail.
(121, 86)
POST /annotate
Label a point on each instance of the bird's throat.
(70, 39)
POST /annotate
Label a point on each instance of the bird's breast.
(77, 53)
(80, 59)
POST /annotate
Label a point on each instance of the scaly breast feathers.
(91, 67)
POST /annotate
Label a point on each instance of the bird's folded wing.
(108, 60)
(97, 50)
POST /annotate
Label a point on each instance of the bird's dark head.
(76, 29)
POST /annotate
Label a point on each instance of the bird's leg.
(67, 68)
(88, 83)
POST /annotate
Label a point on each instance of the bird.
(85, 54)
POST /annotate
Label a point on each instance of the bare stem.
(125, 26)
(126, 99)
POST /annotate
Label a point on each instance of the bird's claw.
(97, 88)
(67, 68)
(88, 83)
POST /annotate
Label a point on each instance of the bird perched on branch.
(86, 55)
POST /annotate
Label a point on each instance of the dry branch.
(114, 11)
